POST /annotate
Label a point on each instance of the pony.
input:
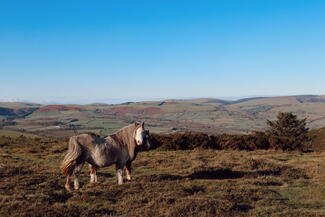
(120, 149)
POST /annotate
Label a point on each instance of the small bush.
(288, 132)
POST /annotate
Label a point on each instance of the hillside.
(206, 115)
(16, 109)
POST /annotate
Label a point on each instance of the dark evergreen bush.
(288, 132)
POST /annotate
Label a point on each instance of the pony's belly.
(104, 163)
(103, 159)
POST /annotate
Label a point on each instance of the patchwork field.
(197, 182)
(204, 115)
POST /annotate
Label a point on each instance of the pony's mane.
(124, 135)
(125, 128)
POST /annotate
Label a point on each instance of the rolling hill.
(205, 114)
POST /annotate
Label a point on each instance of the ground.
(165, 183)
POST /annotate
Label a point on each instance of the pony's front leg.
(119, 174)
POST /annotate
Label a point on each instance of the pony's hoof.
(68, 188)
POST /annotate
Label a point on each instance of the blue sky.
(83, 51)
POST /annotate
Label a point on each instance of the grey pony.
(120, 149)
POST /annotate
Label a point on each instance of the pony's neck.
(125, 136)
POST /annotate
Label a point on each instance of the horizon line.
(116, 101)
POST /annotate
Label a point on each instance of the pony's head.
(142, 135)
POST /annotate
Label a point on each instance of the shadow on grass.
(163, 177)
(106, 175)
(216, 174)
(221, 173)
(202, 174)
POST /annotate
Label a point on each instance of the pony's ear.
(142, 124)
(136, 123)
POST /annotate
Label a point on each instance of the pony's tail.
(70, 160)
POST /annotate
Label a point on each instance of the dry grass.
(318, 137)
(165, 183)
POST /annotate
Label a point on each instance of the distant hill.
(17, 109)
(203, 114)
(19, 105)
(98, 104)
(58, 108)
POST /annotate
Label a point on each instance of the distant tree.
(288, 132)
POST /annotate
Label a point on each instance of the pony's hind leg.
(68, 186)
(76, 173)
(93, 174)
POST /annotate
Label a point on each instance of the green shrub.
(287, 132)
